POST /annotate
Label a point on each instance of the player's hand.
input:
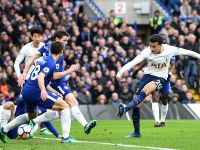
(119, 78)
(74, 68)
(21, 80)
(44, 95)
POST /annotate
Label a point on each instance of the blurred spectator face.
(112, 13)
(9, 70)
(101, 99)
(94, 83)
(167, 25)
(192, 38)
(178, 83)
(99, 88)
(175, 98)
(100, 58)
(112, 88)
(114, 96)
(4, 36)
(157, 13)
(189, 95)
(125, 89)
(184, 88)
(98, 74)
(112, 74)
(94, 54)
(129, 80)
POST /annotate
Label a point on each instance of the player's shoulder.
(146, 51)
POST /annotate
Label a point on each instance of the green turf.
(184, 134)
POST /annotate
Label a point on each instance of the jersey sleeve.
(43, 49)
(19, 59)
(139, 58)
(48, 68)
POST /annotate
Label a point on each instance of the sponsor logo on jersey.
(159, 65)
(57, 66)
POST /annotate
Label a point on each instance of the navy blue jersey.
(46, 66)
(45, 51)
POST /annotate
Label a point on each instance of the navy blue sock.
(136, 119)
(51, 128)
(135, 101)
(42, 126)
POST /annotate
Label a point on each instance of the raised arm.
(129, 65)
(58, 75)
(18, 60)
(41, 84)
(182, 51)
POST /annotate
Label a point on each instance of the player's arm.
(58, 75)
(30, 62)
(129, 65)
(181, 51)
(18, 60)
(41, 84)
(49, 88)
(139, 67)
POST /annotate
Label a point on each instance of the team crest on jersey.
(66, 87)
(46, 69)
(57, 66)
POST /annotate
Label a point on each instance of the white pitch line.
(112, 144)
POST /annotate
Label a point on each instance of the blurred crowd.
(100, 47)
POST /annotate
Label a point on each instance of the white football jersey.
(25, 53)
(158, 64)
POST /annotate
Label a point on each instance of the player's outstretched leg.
(88, 127)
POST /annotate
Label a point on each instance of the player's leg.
(7, 113)
(136, 123)
(73, 103)
(150, 85)
(164, 109)
(44, 117)
(56, 103)
(19, 120)
(77, 114)
(149, 88)
(155, 109)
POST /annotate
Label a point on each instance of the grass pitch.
(109, 134)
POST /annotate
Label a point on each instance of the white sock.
(16, 122)
(65, 122)
(164, 110)
(47, 116)
(5, 117)
(155, 109)
(77, 114)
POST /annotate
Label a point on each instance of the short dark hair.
(157, 38)
(37, 31)
(60, 34)
(56, 47)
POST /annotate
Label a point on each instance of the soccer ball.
(24, 131)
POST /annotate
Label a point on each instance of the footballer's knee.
(33, 115)
(9, 106)
(62, 104)
(71, 100)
